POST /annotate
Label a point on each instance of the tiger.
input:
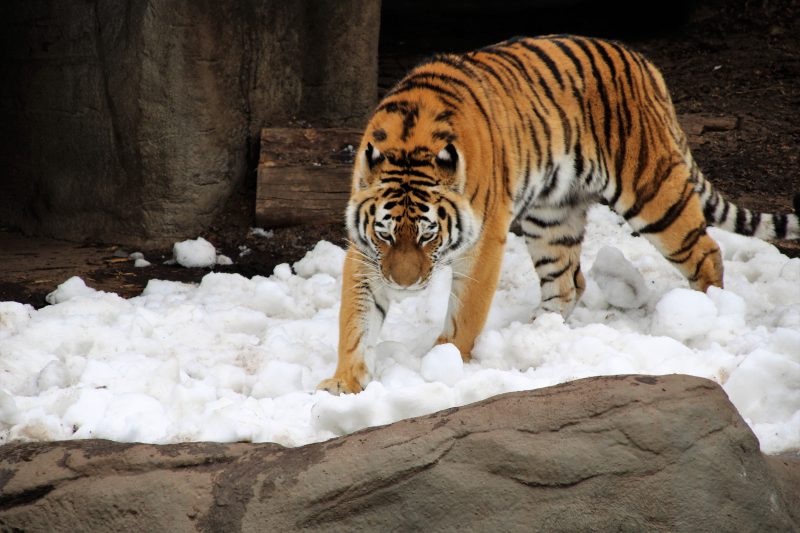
(532, 130)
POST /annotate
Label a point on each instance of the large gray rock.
(633, 453)
(133, 121)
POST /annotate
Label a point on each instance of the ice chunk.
(620, 282)
(71, 288)
(325, 258)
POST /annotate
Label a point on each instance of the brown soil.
(733, 59)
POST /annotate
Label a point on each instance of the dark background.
(734, 58)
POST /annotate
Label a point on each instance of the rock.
(635, 453)
(134, 121)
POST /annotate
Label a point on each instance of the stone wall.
(133, 121)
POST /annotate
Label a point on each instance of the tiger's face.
(407, 215)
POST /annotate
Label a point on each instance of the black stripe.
(567, 240)
(598, 45)
(542, 223)
(409, 122)
(546, 59)
(487, 68)
(444, 116)
(601, 89)
(550, 183)
(512, 73)
(447, 136)
(545, 261)
(780, 223)
(671, 215)
(406, 172)
(423, 79)
(523, 69)
(450, 98)
(579, 163)
(689, 240)
(378, 306)
(711, 206)
(702, 260)
(555, 275)
(419, 183)
(725, 208)
(571, 55)
(741, 221)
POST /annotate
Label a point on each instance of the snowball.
(443, 363)
(619, 281)
(140, 263)
(194, 253)
(684, 314)
(224, 260)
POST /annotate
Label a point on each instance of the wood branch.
(304, 175)
(696, 125)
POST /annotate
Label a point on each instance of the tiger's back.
(528, 129)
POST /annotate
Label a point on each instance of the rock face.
(133, 121)
(634, 453)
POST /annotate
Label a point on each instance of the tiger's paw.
(466, 356)
(337, 386)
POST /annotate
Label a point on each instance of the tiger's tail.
(724, 214)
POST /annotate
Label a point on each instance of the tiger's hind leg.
(554, 236)
(669, 214)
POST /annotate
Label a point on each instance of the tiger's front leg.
(475, 277)
(361, 315)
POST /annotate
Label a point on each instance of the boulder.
(633, 453)
(134, 121)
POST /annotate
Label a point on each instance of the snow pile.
(237, 359)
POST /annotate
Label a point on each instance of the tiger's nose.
(406, 272)
(404, 265)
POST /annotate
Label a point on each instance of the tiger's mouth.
(415, 287)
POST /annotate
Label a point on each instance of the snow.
(138, 260)
(237, 359)
(261, 232)
(193, 253)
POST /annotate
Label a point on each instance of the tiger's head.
(407, 213)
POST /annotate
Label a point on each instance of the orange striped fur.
(534, 130)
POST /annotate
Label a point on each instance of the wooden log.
(696, 125)
(304, 175)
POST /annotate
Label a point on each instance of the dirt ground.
(739, 60)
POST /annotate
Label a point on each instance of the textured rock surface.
(133, 121)
(635, 453)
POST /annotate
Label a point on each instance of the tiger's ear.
(373, 155)
(447, 158)
(365, 162)
(453, 167)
